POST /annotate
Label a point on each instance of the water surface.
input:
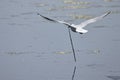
(32, 48)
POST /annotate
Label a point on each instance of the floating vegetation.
(52, 9)
(20, 53)
(75, 2)
(40, 4)
(76, 16)
(75, 7)
(68, 1)
(27, 13)
(63, 52)
(15, 53)
(108, 0)
(95, 51)
(67, 7)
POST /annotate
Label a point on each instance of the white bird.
(78, 28)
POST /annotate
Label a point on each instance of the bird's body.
(78, 28)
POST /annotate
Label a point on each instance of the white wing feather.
(83, 24)
(78, 28)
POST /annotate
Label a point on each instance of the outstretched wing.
(83, 24)
(58, 21)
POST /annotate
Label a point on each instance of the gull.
(76, 28)
(80, 27)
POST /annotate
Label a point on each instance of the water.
(32, 48)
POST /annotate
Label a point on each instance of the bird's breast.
(80, 30)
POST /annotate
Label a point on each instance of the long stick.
(72, 44)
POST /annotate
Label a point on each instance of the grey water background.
(32, 48)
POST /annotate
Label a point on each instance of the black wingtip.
(39, 14)
(46, 18)
(107, 13)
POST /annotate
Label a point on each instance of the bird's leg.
(71, 43)
(73, 29)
